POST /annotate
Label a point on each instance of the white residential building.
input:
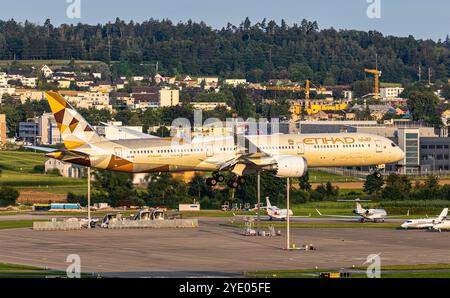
(391, 92)
(48, 129)
(169, 97)
(30, 94)
(6, 90)
(235, 82)
(65, 169)
(209, 81)
(29, 82)
(46, 71)
(96, 100)
(84, 84)
(3, 79)
(208, 106)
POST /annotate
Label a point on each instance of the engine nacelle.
(290, 166)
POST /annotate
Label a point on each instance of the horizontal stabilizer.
(43, 149)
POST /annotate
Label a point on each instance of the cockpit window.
(393, 145)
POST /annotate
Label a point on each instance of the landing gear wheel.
(241, 180)
(213, 181)
(233, 183)
(219, 178)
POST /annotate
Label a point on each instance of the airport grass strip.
(16, 224)
(441, 270)
(25, 271)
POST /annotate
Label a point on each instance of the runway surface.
(215, 249)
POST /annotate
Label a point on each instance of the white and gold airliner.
(286, 155)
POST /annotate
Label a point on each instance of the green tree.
(304, 182)
(8, 196)
(116, 185)
(242, 103)
(422, 105)
(361, 88)
(398, 187)
(164, 190)
(446, 91)
(373, 184)
(198, 188)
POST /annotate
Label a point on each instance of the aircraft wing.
(334, 215)
(43, 149)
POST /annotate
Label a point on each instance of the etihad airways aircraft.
(286, 155)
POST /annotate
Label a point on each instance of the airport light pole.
(288, 240)
(89, 196)
(258, 208)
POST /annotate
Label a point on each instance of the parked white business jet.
(272, 213)
(374, 215)
(279, 214)
(425, 223)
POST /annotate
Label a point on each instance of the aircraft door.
(209, 150)
(117, 153)
(378, 146)
(300, 148)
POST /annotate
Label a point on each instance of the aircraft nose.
(399, 154)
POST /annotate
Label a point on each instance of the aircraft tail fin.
(359, 209)
(443, 214)
(75, 130)
(268, 202)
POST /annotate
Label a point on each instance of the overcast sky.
(421, 18)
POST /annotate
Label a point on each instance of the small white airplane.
(374, 215)
(272, 213)
(276, 213)
(426, 223)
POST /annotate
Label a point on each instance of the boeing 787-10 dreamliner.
(285, 155)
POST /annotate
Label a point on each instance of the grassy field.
(390, 271)
(316, 176)
(417, 209)
(23, 271)
(15, 224)
(18, 171)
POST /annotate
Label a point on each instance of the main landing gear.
(216, 178)
(236, 181)
(232, 183)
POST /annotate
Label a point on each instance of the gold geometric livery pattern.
(75, 131)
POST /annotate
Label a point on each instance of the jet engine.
(290, 166)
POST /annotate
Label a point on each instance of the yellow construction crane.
(307, 88)
(377, 74)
